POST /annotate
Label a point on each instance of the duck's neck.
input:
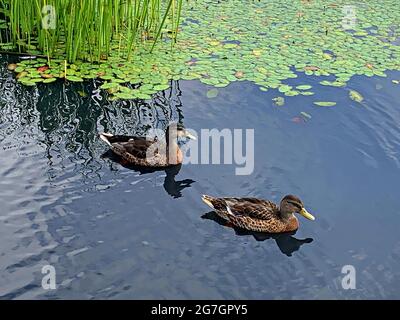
(285, 215)
(174, 154)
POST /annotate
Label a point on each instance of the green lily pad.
(304, 87)
(109, 85)
(161, 87)
(230, 46)
(19, 69)
(284, 88)
(135, 81)
(212, 93)
(49, 80)
(107, 77)
(26, 82)
(279, 101)
(356, 96)
(143, 96)
(333, 83)
(74, 79)
(125, 96)
(36, 80)
(292, 93)
(325, 103)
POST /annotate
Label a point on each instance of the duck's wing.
(252, 207)
(135, 146)
(244, 207)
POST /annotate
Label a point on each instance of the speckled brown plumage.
(134, 150)
(254, 214)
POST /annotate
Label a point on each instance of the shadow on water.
(286, 243)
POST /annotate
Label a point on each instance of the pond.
(113, 232)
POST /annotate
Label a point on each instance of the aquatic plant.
(71, 30)
(266, 42)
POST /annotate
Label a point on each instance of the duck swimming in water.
(153, 152)
(259, 215)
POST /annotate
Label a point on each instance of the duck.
(149, 152)
(259, 215)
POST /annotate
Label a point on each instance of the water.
(112, 232)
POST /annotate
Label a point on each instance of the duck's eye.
(298, 206)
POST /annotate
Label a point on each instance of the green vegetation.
(356, 96)
(265, 42)
(72, 30)
(325, 103)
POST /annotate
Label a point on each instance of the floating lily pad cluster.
(265, 42)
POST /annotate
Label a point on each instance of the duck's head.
(291, 204)
(177, 130)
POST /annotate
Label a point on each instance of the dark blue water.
(112, 232)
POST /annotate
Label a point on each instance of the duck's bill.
(306, 214)
(190, 136)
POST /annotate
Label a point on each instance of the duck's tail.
(208, 200)
(217, 204)
(105, 137)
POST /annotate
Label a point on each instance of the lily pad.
(74, 79)
(49, 80)
(325, 103)
(143, 96)
(27, 82)
(109, 85)
(304, 87)
(292, 93)
(279, 101)
(356, 96)
(161, 87)
(19, 69)
(212, 93)
(284, 88)
(305, 115)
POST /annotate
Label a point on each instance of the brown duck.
(144, 152)
(259, 215)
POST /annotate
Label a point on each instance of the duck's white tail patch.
(207, 201)
(105, 136)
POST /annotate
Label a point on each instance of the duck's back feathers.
(251, 214)
(251, 207)
(134, 149)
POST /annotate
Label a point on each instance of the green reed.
(86, 29)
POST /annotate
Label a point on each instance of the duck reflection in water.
(172, 187)
(286, 243)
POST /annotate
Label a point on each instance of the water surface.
(112, 232)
